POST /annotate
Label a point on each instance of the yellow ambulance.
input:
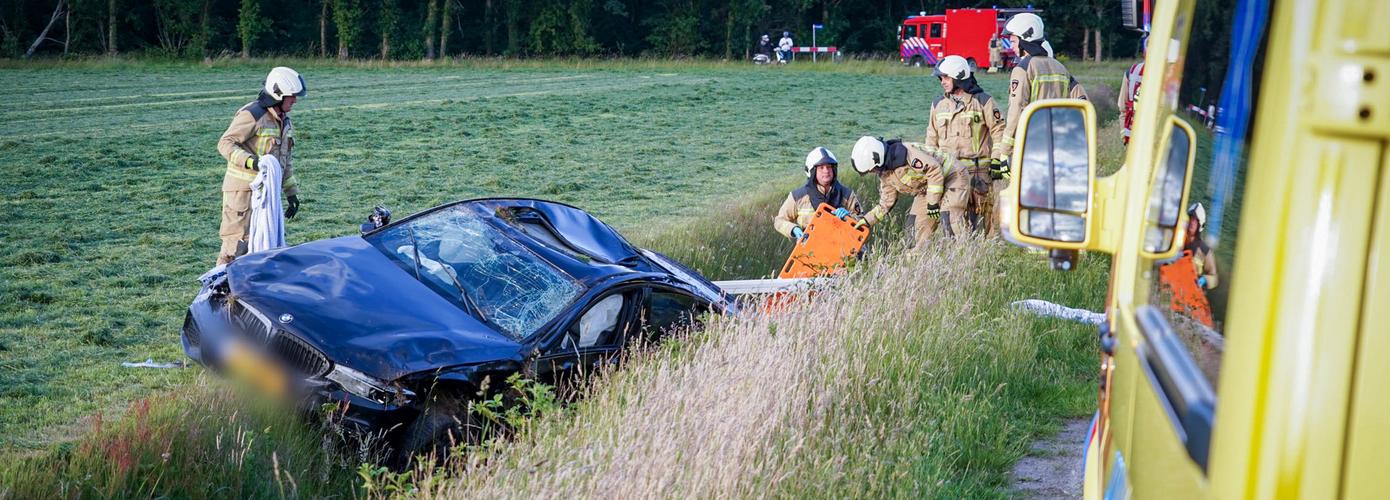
(1287, 392)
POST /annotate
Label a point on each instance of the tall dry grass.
(904, 378)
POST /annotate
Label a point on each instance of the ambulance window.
(936, 30)
(1192, 291)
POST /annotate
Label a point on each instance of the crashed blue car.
(405, 323)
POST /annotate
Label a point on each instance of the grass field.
(111, 181)
(111, 176)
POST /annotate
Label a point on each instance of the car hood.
(362, 310)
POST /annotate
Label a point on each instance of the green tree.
(388, 22)
(581, 15)
(445, 27)
(513, 11)
(563, 28)
(111, 28)
(741, 15)
(431, 23)
(345, 17)
(250, 25)
(177, 25)
(676, 31)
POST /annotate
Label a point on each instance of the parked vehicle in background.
(925, 39)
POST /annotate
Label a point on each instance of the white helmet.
(1047, 46)
(953, 66)
(869, 153)
(283, 82)
(1198, 212)
(819, 156)
(1026, 26)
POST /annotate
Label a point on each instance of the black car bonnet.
(346, 298)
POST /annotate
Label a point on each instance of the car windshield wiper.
(415, 247)
(463, 293)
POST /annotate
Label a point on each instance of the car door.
(668, 310)
(591, 339)
(1158, 403)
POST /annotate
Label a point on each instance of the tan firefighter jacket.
(801, 205)
(256, 131)
(1034, 79)
(967, 127)
(922, 174)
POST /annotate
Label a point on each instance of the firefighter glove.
(861, 223)
(291, 206)
(841, 212)
(251, 163)
(998, 169)
(934, 211)
(798, 234)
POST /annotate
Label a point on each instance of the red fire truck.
(923, 40)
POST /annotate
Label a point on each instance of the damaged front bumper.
(228, 336)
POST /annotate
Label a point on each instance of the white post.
(813, 43)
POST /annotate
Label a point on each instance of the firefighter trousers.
(984, 191)
(954, 211)
(236, 219)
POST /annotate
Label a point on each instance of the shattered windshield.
(483, 271)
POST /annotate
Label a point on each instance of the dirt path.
(1052, 468)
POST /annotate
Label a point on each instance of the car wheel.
(917, 61)
(446, 422)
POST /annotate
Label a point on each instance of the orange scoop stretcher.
(830, 243)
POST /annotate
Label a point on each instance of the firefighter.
(1129, 97)
(1129, 93)
(822, 186)
(1036, 77)
(905, 168)
(261, 127)
(965, 124)
(1195, 247)
(996, 56)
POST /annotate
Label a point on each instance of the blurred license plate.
(253, 368)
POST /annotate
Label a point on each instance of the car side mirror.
(379, 218)
(1049, 202)
(1163, 231)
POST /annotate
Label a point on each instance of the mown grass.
(111, 182)
(701, 188)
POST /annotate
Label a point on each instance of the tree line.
(429, 29)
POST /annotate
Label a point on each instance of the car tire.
(917, 62)
(446, 422)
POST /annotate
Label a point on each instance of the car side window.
(936, 30)
(667, 311)
(598, 326)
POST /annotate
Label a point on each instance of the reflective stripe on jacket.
(257, 131)
(967, 127)
(1034, 79)
(923, 174)
(797, 211)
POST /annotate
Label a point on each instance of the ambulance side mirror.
(1163, 231)
(1049, 202)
